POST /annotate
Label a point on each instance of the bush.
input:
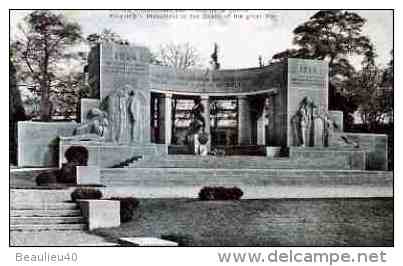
(86, 193)
(220, 193)
(77, 155)
(127, 206)
(46, 178)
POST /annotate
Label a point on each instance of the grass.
(268, 222)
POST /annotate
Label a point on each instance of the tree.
(17, 112)
(182, 56)
(373, 101)
(331, 35)
(45, 42)
(66, 94)
(388, 74)
(108, 36)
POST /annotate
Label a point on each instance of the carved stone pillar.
(206, 116)
(166, 118)
(270, 109)
(244, 121)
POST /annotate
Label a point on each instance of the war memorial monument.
(154, 131)
(137, 109)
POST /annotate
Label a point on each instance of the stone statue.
(95, 129)
(122, 135)
(302, 122)
(332, 139)
(196, 115)
(116, 105)
(110, 104)
(137, 111)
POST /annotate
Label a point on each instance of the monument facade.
(137, 108)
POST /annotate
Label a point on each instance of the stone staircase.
(37, 209)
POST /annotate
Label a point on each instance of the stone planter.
(273, 151)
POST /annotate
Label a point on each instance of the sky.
(241, 35)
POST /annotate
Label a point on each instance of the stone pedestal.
(273, 151)
(88, 175)
(101, 213)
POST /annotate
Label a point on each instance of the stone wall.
(107, 154)
(122, 66)
(38, 142)
(198, 81)
(376, 147)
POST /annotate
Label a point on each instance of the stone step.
(40, 195)
(255, 191)
(171, 177)
(250, 162)
(280, 164)
(43, 206)
(46, 220)
(40, 227)
(45, 213)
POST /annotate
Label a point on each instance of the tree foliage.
(44, 44)
(17, 112)
(106, 36)
(372, 90)
(182, 56)
(332, 35)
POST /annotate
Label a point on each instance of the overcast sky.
(240, 40)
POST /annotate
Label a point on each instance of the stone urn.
(273, 151)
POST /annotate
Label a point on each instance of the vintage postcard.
(201, 128)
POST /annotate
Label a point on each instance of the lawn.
(267, 222)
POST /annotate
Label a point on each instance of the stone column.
(165, 116)
(269, 132)
(244, 121)
(206, 116)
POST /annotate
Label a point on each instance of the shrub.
(127, 206)
(86, 193)
(67, 174)
(77, 155)
(46, 178)
(220, 193)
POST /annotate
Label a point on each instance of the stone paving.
(56, 238)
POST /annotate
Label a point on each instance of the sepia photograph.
(201, 128)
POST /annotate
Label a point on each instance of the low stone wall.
(355, 157)
(104, 154)
(375, 146)
(38, 142)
